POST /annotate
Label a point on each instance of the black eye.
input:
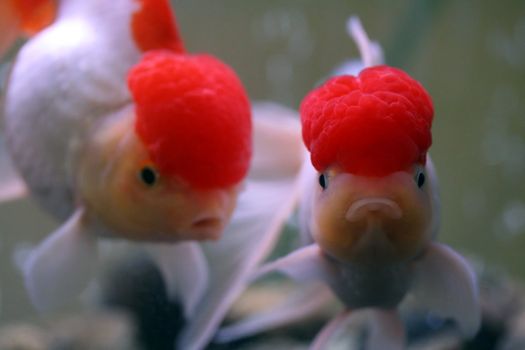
(323, 181)
(420, 179)
(148, 175)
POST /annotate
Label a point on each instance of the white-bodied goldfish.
(151, 149)
(369, 211)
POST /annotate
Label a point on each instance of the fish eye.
(148, 176)
(420, 178)
(323, 181)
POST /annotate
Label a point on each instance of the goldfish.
(119, 133)
(369, 212)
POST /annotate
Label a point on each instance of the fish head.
(360, 218)
(368, 137)
(171, 166)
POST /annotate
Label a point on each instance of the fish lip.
(206, 222)
(208, 226)
(361, 207)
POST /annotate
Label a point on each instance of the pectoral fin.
(304, 265)
(62, 265)
(304, 302)
(445, 284)
(185, 272)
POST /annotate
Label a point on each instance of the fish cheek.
(331, 230)
(411, 233)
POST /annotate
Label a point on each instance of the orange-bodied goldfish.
(369, 211)
(151, 148)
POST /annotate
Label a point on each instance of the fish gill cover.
(194, 117)
(373, 124)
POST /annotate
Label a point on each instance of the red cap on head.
(373, 124)
(194, 117)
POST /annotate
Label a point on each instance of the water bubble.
(514, 218)
(511, 221)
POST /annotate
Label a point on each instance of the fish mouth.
(208, 227)
(385, 207)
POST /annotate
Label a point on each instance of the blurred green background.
(470, 55)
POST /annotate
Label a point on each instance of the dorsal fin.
(154, 27)
(34, 15)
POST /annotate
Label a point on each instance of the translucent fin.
(385, 330)
(445, 284)
(185, 272)
(262, 210)
(278, 144)
(370, 51)
(303, 303)
(303, 265)
(322, 339)
(12, 187)
(62, 265)
(436, 201)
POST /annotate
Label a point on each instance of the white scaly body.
(64, 80)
